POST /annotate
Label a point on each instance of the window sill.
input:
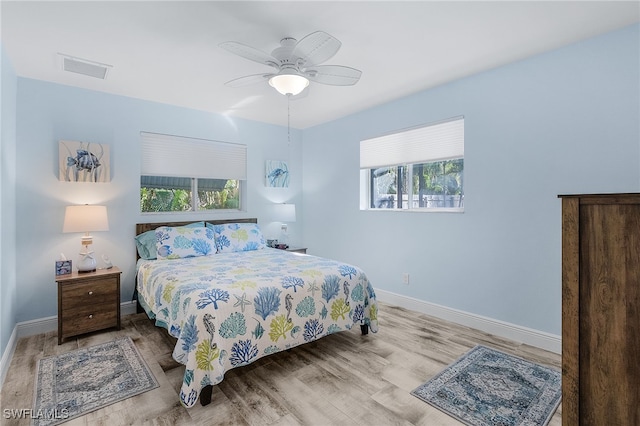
(196, 212)
(418, 210)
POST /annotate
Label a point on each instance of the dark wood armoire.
(601, 309)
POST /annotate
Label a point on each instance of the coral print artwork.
(277, 174)
(84, 162)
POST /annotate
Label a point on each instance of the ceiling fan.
(296, 63)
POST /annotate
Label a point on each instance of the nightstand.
(302, 250)
(88, 301)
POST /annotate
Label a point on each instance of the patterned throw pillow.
(146, 242)
(180, 242)
(237, 237)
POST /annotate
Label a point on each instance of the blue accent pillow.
(232, 237)
(146, 242)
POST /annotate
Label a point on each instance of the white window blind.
(435, 142)
(165, 155)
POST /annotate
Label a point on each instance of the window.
(185, 174)
(416, 169)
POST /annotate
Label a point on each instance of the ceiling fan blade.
(335, 75)
(250, 53)
(248, 80)
(315, 48)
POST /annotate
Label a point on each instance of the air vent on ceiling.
(84, 66)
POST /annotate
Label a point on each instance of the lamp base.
(86, 263)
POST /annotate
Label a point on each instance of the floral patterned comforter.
(230, 309)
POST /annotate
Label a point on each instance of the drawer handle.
(90, 293)
(90, 316)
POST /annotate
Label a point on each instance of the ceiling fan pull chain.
(289, 121)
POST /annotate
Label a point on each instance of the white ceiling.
(168, 51)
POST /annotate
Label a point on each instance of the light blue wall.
(47, 113)
(561, 122)
(8, 88)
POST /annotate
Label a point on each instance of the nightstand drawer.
(85, 310)
(88, 302)
(89, 318)
(78, 294)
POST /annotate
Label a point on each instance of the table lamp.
(284, 213)
(86, 219)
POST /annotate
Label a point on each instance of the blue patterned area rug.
(486, 387)
(84, 380)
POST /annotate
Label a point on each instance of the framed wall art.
(84, 162)
(277, 174)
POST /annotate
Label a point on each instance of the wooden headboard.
(141, 228)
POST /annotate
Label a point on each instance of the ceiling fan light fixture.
(289, 84)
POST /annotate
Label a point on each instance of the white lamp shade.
(289, 84)
(85, 218)
(284, 212)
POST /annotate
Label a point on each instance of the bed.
(229, 300)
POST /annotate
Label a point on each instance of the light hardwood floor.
(342, 379)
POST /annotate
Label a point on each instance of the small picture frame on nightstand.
(63, 267)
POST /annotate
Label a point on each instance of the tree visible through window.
(165, 194)
(218, 194)
(432, 185)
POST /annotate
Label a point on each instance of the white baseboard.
(37, 326)
(128, 308)
(539, 339)
(529, 336)
(7, 356)
(45, 325)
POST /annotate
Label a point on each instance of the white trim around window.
(415, 169)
